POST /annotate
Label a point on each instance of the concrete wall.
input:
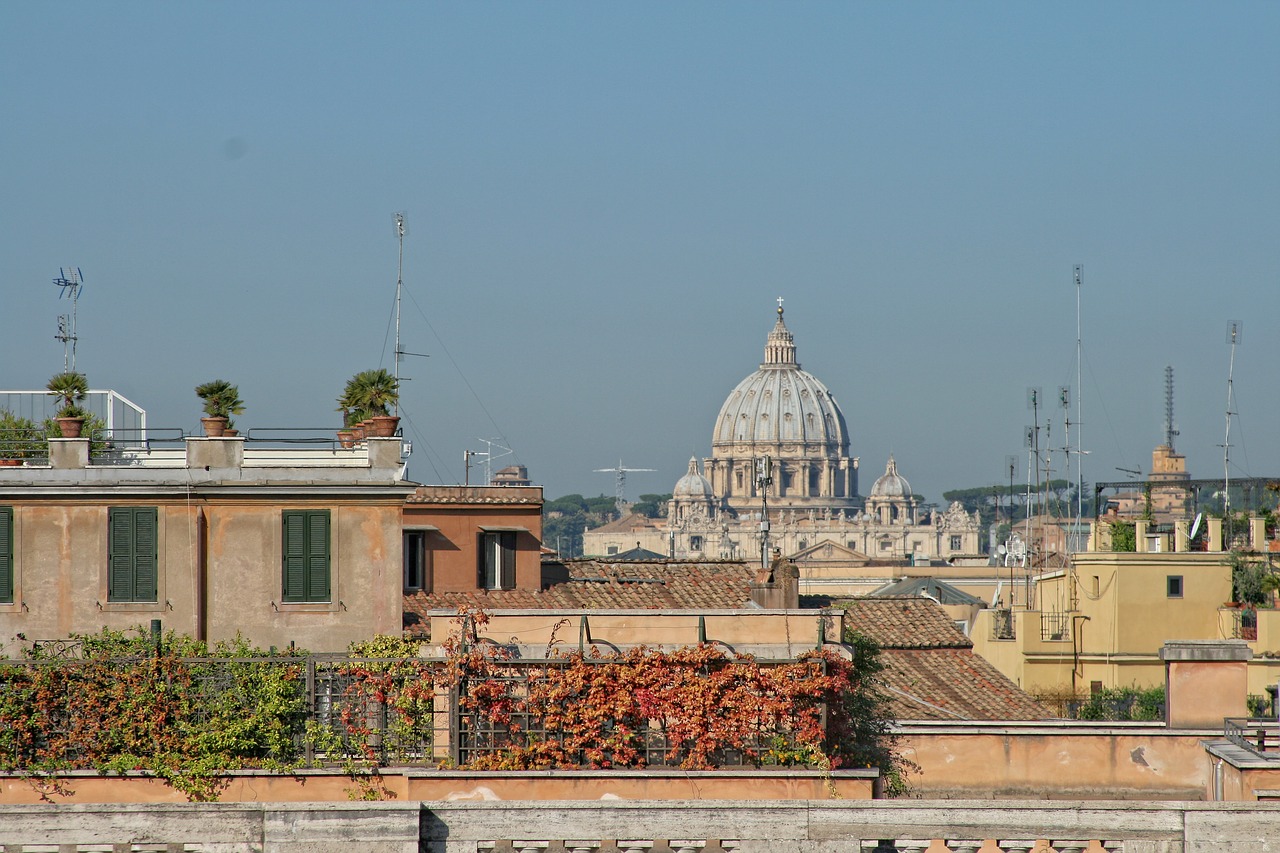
(1058, 760)
(747, 827)
(769, 633)
(415, 783)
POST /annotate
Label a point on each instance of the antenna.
(70, 280)
(1169, 431)
(488, 455)
(399, 286)
(1079, 276)
(621, 472)
(1233, 338)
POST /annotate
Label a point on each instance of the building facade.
(281, 545)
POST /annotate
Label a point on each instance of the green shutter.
(6, 555)
(318, 556)
(120, 554)
(305, 555)
(295, 556)
(132, 564)
(144, 554)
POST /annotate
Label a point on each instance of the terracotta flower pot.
(384, 426)
(70, 427)
(347, 437)
(214, 427)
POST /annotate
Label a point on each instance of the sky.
(604, 200)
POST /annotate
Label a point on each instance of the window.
(417, 561)
(497, 569)
(611, 550)
(955, 543)
(695, 543)
(305, 547)
(6, 555)
(131, 553)
(1173, 586)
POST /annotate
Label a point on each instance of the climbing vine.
(191, 714)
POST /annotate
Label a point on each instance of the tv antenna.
(1233, 338)
(70, 280)
(488, 455)
(621, 472)
(400, 353)
(1169, 432)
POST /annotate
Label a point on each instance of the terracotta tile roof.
(904, 622)
(953, 684)
(930, 669)
(607, 585)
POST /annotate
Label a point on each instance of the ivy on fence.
(191, 714)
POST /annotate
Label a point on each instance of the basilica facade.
(737, 505)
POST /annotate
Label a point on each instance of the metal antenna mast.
(1233, 338)
(621, 482)
(70, 280)
(1169, 432)
(1079, 276)
(399, 287)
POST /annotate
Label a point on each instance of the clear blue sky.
(604, 199)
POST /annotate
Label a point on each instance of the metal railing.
(1055, 627)
(330, 709)
(1259, 735)
(1002, 625)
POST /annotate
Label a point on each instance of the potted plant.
(20, 438)
(372, 393)
(71, 388)
(221, 401)
(353, 416)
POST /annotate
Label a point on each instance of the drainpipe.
(202, 575)
(1218, 794)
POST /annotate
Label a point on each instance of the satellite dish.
(1001, 550)
(1195, 526)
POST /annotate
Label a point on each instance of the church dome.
(693, 484)
(891, 484)
(780, 403)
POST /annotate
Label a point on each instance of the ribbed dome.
(781, 403)
(693, 484)
(891, 484)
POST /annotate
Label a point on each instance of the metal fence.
(1261, 736)
(327, 710)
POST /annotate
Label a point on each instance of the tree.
(651, 506)
(564, 519)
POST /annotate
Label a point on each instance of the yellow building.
(1102, 621)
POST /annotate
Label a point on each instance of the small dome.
(891, 484)
(693, 484)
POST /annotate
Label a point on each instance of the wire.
(465, 381)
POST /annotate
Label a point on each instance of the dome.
(781, 403)
(891, 484)
(693, 484)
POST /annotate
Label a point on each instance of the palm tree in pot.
(221, 401)
(71, 388)
(374, 393)
(353, 417)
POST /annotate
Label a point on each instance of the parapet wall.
(613, 827)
